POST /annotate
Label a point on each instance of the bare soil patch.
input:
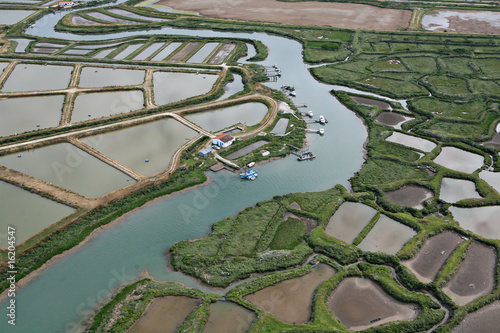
(339, 15)
(369, 101)
(494, 142)
(475, 276)
(222, 53)
(485, 319)
(309, 224)
(412, 196)
(184, 52)
(429, 259)
(358, 301)
(462, 21)
(295, 205)
(390, 118)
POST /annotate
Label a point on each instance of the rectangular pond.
(103, 54)
(146, 53)
(98, 105)
(128, 51)
(8, 17)
(22, 43)
(280, 127)
(103, 77)
(166, 51)
(228, 317)
(459, 160)
(29, 114)
(412, 141)
(203, 53)
(158, 142)
(248, 114)
(126, 13)
(29, 213)
(247, 149)
(66, 166)
(27, 77)
(170, 87)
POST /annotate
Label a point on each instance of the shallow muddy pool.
(349, 220)
(480, 220)
(475, 276)
(370, 101)
(247, 149)
(387, 236)
(222, 53)
(29, 114)
(22, 43)
(411, 196)
(228, 317)
(492, 178)
(98, 105)
(412, 141)
(203, 53)
(103, 54)
(126, 13)
(462, 21)
(486, 319)
(154, 142)
(453, 190)
(166, 51)
(8, 17)
(356, 302)
(433, 254)
(248, 114)
(291, 300)
(27, 77)
(164, 315)
(109, 18)
(66, 166)
(27, 212)
(172, 87)
(392, 119)
(460, 160)
(102, 77)
(146, 53)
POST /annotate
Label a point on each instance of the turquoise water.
(70, 289)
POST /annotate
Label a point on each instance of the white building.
(223, 140)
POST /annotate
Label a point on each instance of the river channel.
(68, 291)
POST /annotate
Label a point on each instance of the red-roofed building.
(223, 140)
(66, 4)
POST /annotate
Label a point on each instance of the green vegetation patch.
(423, 64)
(447, 86)
(473, 110)
(289, 234)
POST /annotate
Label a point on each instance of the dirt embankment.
(338, 15)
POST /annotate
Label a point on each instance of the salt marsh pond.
(29, 114)
(349, 220)
(155, 142)
(228, 317)
(358, 301)
(8, 17)
(98, 105)
(453, 190)
(459, 160)
(248, 114)
(412, 141)
(170, 87)
(27, 212)
(102, 77)
(294, 296)
(411, 196)
(387, 236)
(480, 220)
(27, 77)
(66, 166)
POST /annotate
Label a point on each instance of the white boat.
(322, 120)
(321, 131)
(251, 164)
(310, 113)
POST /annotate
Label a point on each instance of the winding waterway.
(66, 293)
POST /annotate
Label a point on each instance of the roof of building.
(206, 151)
(224, 137)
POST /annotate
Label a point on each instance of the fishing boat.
(251, 164)
(321, 120)
(306, 156)
(250, 174)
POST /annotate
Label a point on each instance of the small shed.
(223, 140)
(205, 152)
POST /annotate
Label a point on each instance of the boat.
(251, 164)
(293, 94)
(310, 113)
(321, 131)
(306, 156)
(250, 174)
(321, 120)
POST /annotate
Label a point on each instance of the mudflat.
(433, 254)
(339, 15)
